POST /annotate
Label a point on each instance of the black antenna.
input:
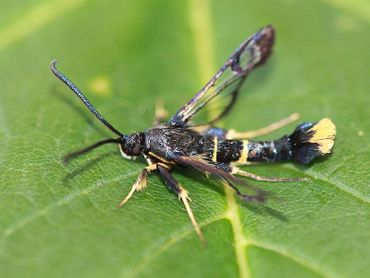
(77, 91)
(71, 156)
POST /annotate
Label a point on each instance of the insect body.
(211, 150)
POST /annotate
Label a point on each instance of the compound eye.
(133, 145)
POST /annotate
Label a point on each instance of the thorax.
(165, 141)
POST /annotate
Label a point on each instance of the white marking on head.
(126, 156)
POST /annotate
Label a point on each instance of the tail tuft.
(310, 140)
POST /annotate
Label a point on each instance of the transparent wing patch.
(225, 84)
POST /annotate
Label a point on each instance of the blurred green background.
(61, 220)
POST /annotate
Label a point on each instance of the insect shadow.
(80, 170)
(85, 167)
(264, 209)
(214, 185)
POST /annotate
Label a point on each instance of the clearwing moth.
(211, 150)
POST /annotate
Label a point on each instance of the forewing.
(227, 81)
(220, 173)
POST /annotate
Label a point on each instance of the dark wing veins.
(227, 81)
(205, 167)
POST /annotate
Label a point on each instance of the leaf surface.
(61, 220)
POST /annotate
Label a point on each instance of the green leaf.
(61, 220)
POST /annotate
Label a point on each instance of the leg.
(140, 183)
(174, 186)
(259, 197)
(160, 112)
(237, 171)
(232, 134)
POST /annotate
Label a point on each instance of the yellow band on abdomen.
(244, 152)
(215, 148)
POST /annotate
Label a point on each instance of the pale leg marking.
(233, 134)
(237, 171)
(184, 197)
(140, 183)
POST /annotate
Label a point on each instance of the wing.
(228, 80)
(256, 195)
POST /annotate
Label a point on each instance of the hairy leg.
(208, 130)
(174, 186)
(232, 134)
(140, 183)
(237, 171)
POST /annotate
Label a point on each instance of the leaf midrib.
(155, 251)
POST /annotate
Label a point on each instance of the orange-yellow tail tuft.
(310, 140)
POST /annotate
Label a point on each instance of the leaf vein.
(342, 187)
(156, 251)
(301, 261)
(63, 201)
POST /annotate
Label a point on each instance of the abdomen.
(308, 141)
(243, 151)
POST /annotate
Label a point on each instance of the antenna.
(71, 156)
(77, 91)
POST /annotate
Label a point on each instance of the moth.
(185, 141)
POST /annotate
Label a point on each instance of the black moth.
(214, 151)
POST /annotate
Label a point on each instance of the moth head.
(131, 145)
